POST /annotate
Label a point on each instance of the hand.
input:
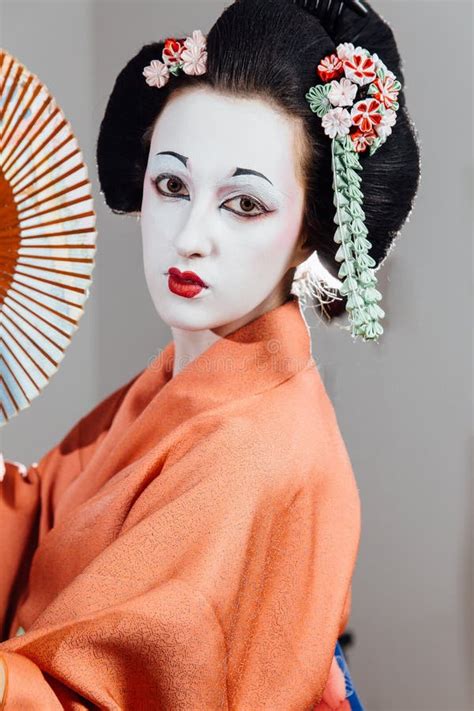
(3, 674)
(22, 469)
(334, 693)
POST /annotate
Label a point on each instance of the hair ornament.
(188, 54)
(357, 104)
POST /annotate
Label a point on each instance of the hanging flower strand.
(357, 104)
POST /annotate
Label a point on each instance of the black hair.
(270, 49)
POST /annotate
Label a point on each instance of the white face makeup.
(221, 198)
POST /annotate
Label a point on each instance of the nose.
(194, 238)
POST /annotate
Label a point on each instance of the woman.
(191, 541)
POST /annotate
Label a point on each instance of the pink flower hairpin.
(189, 55)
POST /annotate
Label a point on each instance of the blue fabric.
(351, 694)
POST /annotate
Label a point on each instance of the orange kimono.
(190, 543)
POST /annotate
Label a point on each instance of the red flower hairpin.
(346, 73)
(188, 55)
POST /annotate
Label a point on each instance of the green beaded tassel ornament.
(357, 265)
(346, 73)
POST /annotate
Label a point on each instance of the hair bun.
(334, 15)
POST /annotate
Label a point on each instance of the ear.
(302, 251)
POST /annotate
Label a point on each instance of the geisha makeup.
(223, 199)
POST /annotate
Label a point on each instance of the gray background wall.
(403, 406)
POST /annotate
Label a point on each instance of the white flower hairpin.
(188, 55)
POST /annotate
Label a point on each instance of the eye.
(247, 205)
(173, 185)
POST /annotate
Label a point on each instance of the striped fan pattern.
(47, 236)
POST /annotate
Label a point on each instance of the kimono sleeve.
(24, 498)
(226, 589)
(28, 497)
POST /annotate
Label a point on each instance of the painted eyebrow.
(238, 171)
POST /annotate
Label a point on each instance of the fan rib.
(43, 306)
(52, 167)
(35, 327)
(26, 353)
(28, 128)
(42, 351)
(54, 297)
(78, 275)
(16, 106)
(48, 137)
(56, 195)
(11, 91)
(69, 203)
(19, 385)
(91, 213)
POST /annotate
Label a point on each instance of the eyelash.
(257, 203)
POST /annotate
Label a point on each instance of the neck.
(188, 345)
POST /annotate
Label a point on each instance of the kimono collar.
(147, 417)
(256, 357)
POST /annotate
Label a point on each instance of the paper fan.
(47, 236)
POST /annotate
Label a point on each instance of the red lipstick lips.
(186, 284)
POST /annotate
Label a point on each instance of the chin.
(178, 312)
